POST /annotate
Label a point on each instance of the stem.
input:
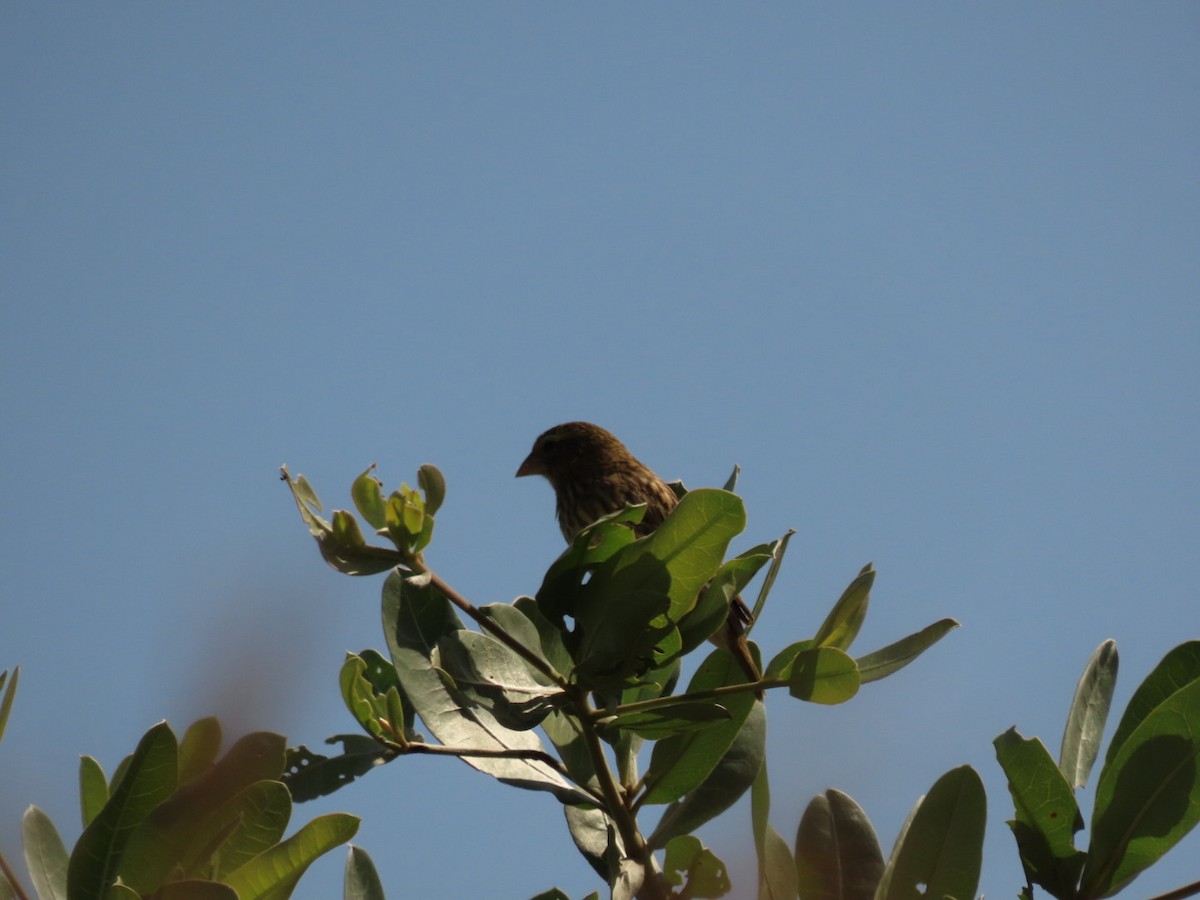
(1188, 890)
(672, 699)
(653, 887)
(18, 891)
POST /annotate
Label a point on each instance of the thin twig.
(18, 891)
(672, 699)
(1188, 890)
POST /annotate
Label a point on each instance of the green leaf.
(367, 493)
(433, 483)
(723, 787)
(841, 626)
(731, 481)
(712, 609)
(688, 862)
(776, 868)
(1089, 712)
(149, 779)
(778, 549)
(195, 889)
(894, 657)
(241, 828)
(93, 789)
(199, 748)
(362, 881)
(1047, 815)
(310, 775)
(497, 678)
(1148, 794)
(307, 502)
(940, 848)
(823, 675)
(186, 828)
(10, 693)
(563, 581)
(681, 763)
(346, 531)
(676, 718)
(273, 874)
(45, 856)
(416, 617)
(837, 853)
(634, 599)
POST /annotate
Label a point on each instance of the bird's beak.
(532, 466)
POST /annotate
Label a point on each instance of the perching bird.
(593, 474)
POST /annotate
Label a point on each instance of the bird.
(594, 474)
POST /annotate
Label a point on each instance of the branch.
(1188, 890)
(11, 876)
(672, 699)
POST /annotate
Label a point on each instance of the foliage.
(176, 821)
(561, 692)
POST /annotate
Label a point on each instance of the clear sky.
(927, 272)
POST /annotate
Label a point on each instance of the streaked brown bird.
(594, 474)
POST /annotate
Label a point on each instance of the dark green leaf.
(310, 775)
(361, 881)
(940, 848)
(723, 787)
(841, 626)
(712, 608)
(149, 779)
(677, 718)
(1089, 712)
(894, 657)
(681, 763)
(1148, 794)
(837, 853)
(45, 856)
(823, 675)
(1047, 815)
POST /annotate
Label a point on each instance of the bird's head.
(573, 449)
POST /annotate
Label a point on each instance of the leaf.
(676, 718)
(361, 881)
(1047, 815)
(776, 868)
(893, 657)
(837, 853)
(10, 693)
(433, 483)
(272, 875)
(778, 549)
(149, 778)
(415, 618)
(367, 493)
(1148, 794)
(595, 838)
(195, 889)
(731, 481)
(1089, 712)
(45, 856)
(495, 676)
(940, 848)
(688, 862)
(823, 675)
(680, 764)
(712, 608)
(723, 787)
(310, 775)
(199, 748)
(93, 789)
(841, 626)
(185, 829)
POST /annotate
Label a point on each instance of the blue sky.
(927, 272)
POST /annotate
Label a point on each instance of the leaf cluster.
(177, 821)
